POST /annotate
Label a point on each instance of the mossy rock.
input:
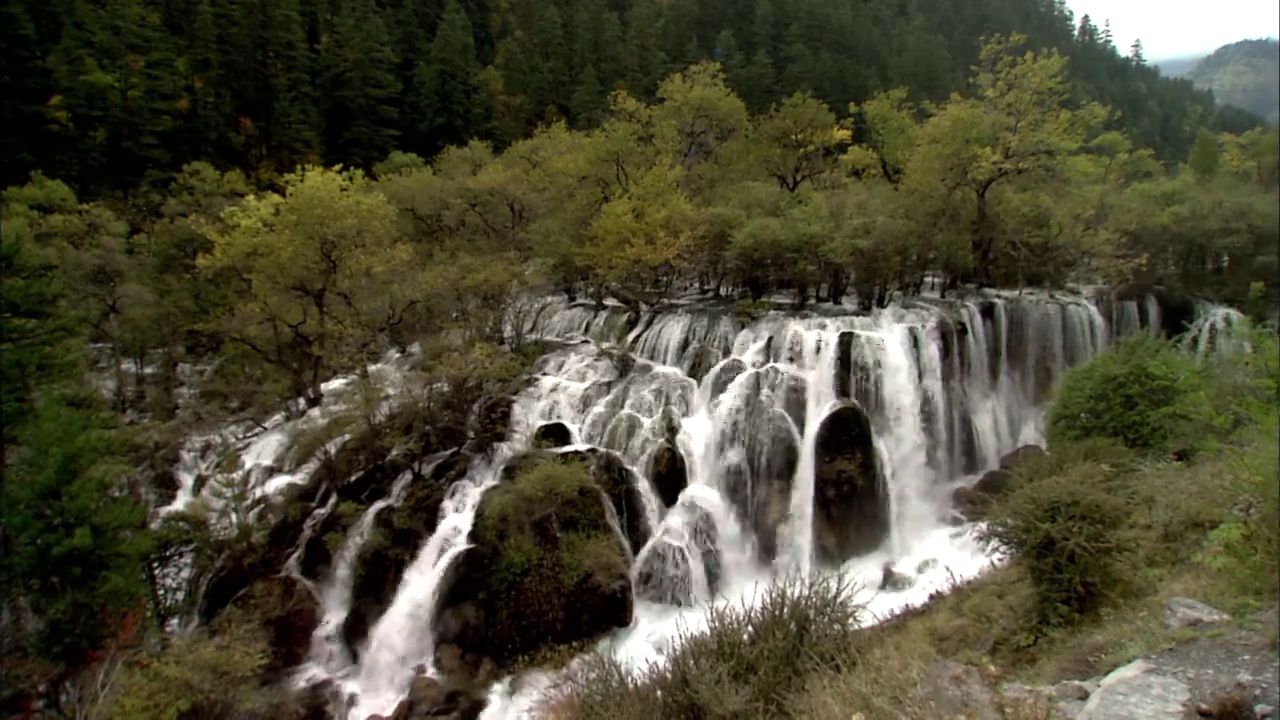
(552, 435)
(545, 569)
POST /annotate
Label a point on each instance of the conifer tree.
(360, 88)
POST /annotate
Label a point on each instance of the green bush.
(1142, 393)
(749, 662)
(1068, 532)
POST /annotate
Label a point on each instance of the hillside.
(1245, 74)
(1177, 67)
(108, 95)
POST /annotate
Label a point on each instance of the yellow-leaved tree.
(322, 275)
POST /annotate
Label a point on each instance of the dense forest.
(272, 192)
(108, 94)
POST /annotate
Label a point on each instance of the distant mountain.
(1245, 74)
(1179, 66)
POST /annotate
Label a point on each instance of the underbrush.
(1178, 495)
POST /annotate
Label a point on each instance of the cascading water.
(751, 412)
(947, 389)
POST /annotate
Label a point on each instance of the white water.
(947, 391)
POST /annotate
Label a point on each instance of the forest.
(115, 96)
(275, 192)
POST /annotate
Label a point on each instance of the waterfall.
(946, 388)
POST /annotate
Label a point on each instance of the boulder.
(668, 473)
(356, 494)
(285, 516)
(665, 572)
(552, 435)
(1021, 455)
(621, 487)
(1184, 612)
(951, 690)
(1137, 691)
(974, 502)
(851, 506)
(724, 374)
(546, 567)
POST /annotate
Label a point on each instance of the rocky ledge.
(1231, 675)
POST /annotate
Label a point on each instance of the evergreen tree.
(360, 88)
(586, 106)
(450, 86)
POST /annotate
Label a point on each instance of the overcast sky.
(1175, 28)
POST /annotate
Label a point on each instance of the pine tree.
(759, 82)
(449, 83)
(587, 104)
(360, 88)
(1135, 53)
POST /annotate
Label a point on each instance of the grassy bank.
(1162, 481)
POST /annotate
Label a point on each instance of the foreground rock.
(850, 505)
(1234, 675)
(546, 567)
(975, 502)
(1137, 691)
(1184, 612)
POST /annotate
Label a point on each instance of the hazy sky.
(1173, 28)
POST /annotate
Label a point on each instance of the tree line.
(108, 95)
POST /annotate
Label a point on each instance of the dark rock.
(285, 515)
(552, 435)
(289, 613)
(668, 473)
(353, 496)
(621, 487)
(546, 567)
(975, 502)
(724, 375)
(1022, 455)
(664, 572)
(851, 507)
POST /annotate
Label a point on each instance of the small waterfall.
(327, 649)
(401, 639)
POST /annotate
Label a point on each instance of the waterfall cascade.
(752, 411)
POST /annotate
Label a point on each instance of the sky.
(1177, 28)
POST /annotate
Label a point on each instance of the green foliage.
(204, 674)
(1067, 531)
(74, 542)
(748, 662)
(1141, 393)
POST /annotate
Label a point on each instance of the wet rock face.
(552, 435)
(665, 571)
(668, 473)
(289, 613)
(395, 538)
(546, 567)
(851, 507)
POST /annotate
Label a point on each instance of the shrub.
(198, 675)
(1142, 393)
(1068, 533)
(751, 660)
